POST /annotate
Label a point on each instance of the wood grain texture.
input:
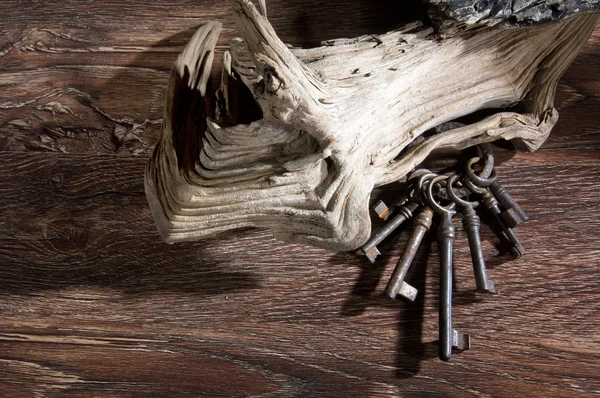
(92, 303)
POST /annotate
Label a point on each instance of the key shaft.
(446, 236)
(471, 224)
(404, 213)
(422, 224)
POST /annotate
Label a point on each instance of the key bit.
(471, 224)
(396, 283)
(384, 211)
(407, 291)
(513, 217)
(461, 341)
(404, 213)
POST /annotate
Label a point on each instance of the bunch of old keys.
(444, 196)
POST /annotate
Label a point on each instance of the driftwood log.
(296, 139)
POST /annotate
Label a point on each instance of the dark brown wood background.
(93, 303)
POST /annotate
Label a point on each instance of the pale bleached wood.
(92, 300)
(343, 118)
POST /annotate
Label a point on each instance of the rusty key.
(396, 285)
(489, 202)
(449, 337)
(471, 224)
(422, 223)
(513, 215)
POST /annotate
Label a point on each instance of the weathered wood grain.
(92, 303)
(91, 77)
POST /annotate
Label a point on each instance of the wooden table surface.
(93, 303)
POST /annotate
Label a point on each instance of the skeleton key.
(490, 203)
(422, 223)
(471, 224)
(449, 337)
(404, 213)
(513, 215)
(396, 283)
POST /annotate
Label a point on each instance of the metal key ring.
(474, 188)
(479, 180)
(451, 208)
(488, 157)
(455, 198)
(419, 194)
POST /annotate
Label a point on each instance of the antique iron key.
(490, 203)
(396, 285)
(442, 195)
(421, 224)
(471, 223)
(513, 215)
(449, 337)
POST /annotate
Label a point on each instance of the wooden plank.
(92, 303)
(83, 264)
(90, 77)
